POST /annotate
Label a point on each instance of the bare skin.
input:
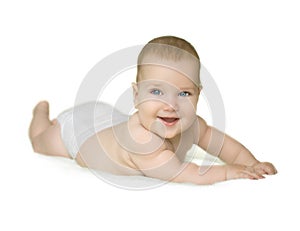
(155, 140)
(166, 120)
(44, 134)
(45, 137)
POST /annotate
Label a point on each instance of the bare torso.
(110, 150)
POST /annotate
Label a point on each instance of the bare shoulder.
(202, 127)
(136, 139)
(202, 123)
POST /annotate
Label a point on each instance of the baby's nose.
(171, 104)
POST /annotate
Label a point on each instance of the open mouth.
(168, 121)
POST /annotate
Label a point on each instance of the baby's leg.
(45, 134)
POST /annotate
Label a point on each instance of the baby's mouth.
(168, 121)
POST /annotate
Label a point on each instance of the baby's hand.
(264, 168)
(236, 171)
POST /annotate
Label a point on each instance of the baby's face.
(166, 100)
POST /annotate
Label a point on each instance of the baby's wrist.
(226, 171)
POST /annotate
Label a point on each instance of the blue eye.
(184, 94)
(156, 92)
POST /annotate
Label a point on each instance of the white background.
(251, 48)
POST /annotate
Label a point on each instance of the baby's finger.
(257, 176)
(268, 168)
(260, 170)
(253, 175)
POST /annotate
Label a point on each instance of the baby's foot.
(42, 107)
(40, 120)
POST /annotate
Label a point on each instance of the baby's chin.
(166, 132)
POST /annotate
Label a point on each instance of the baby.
(154, 140)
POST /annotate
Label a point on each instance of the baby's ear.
(135, 93)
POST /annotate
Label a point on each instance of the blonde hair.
(165, 48)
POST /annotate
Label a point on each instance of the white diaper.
(81, 122)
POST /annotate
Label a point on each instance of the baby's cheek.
(188, 117)
(188, 108)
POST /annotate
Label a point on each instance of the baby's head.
(170, 52)
(167, 86)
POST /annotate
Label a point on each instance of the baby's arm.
(230, 150)
(165, 165)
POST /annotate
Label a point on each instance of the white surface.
(252, 51)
